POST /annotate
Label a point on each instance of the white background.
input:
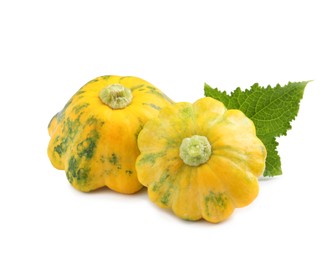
(49, 49)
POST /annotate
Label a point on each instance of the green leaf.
(271, 110)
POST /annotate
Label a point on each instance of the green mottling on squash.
(106, 77)
(129, 172)
(79, 92)
(162, 181)
(125, 77)
(71, 127)
(91, 120)
(87, 147)
(70, 130)
(74, 173)
(150, 158)
(91, 81)
(186, 112)
(72, 169)
(69, 177)
(82, 176)
(216, 200)
(61, 148)
(154, 91)
(173, 143)
(165, 198)
(78, 108)
(138, 87)
(115, 160)
(153, 106)
(151, 88)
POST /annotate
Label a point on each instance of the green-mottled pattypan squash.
(201, 160)
(94, 138)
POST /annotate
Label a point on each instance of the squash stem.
(195, 150)
(116, 96)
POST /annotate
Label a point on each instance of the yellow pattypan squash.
(201, 160)
(94, 138)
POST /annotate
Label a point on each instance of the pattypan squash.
(201, 160)
(94, 138)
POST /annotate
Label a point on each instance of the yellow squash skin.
(97, 145)
(211, 190)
